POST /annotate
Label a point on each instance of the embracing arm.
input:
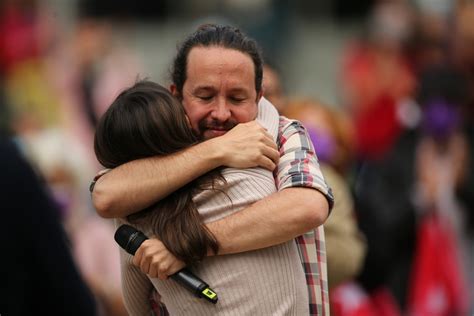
(273, 220)
(138, 184)
(302, 203)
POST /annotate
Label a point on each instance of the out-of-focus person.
(39, 275)
(394, 194)
(273, 87)
(377, 80)
(441, 164)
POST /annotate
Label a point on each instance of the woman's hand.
(155, 260)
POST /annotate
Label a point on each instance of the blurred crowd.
(398, 149)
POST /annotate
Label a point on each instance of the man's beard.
(205, 125)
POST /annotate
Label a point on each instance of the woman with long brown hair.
(146, 120)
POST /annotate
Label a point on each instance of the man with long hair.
(217, 75)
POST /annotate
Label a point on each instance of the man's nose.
(221, 111)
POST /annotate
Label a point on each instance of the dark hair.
(216, 35)
(146, 120)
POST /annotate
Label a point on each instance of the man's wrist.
(212, 151)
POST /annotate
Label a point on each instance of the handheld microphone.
(130, 240)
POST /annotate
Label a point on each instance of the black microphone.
(130, 240)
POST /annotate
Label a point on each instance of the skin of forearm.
(138, 184)
(271, 221)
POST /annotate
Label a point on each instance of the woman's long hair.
(143, 121)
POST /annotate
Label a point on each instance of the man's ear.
(174, 90)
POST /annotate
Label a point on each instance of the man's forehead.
(216, 68)
(215, 57)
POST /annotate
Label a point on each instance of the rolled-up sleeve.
(298, 165)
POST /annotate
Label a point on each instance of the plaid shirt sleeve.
(299, 167)
(157, 306)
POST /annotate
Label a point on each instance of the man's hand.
(138, 184)
(155, 260)
(248, 145)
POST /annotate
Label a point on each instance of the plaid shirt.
(299, 167)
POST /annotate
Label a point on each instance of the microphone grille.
(129, 238)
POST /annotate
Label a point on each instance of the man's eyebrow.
(238, 90)
(199, 89)
(203, 89)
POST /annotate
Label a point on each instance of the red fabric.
(374, 82)
(351, 300)
(18, 37)
(437, 287)
(378, 128)
(385, 303)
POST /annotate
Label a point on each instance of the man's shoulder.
(286, 123)
(288, 127)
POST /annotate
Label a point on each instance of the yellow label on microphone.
(209, 293)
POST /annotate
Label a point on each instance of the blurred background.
(385, 88)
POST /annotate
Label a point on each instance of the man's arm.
(271, 221)
(138, 184)
(302, 204)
